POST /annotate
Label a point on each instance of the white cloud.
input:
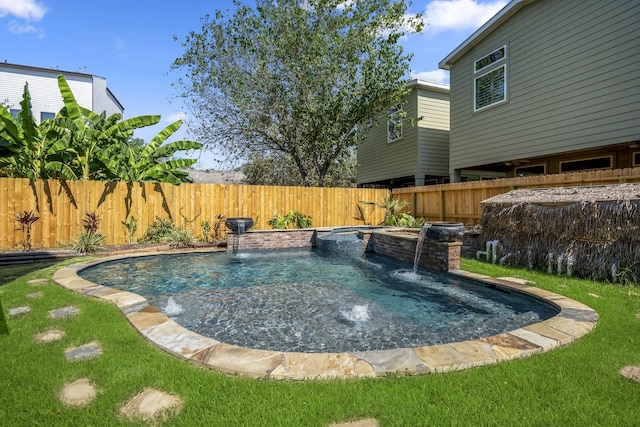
(25, 9)
(175, 117)
(438, 76)
(456, 15)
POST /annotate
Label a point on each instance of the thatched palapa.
(591, 232)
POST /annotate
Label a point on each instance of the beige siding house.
(547, 86)
(404, 151)
(90, 91)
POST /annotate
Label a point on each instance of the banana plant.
(151, 162)
(90, 132)
(30, 150)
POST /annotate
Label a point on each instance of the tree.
(150, 162)
(29, 150)
(81, 144)
(291, 80)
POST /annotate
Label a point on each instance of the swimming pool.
(316, 302)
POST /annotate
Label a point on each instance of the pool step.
(12, 258)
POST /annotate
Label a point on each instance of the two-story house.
(547, 86)
(90, 91)
(411, 147)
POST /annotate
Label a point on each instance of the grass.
(577, 385)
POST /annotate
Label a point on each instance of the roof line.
(482, 32)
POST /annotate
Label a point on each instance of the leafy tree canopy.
(290, 80)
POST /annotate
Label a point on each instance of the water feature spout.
(421, 236)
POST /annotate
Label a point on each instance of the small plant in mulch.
(218, 234)
(293, 219)
(158, 230)
(26, 220)
(180, 238)
(88, 240)
(131, 226)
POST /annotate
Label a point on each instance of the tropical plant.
(402, 219)
(81, 144)
(26, 220)
(323, 66)
(180, 238)
(295, 219)
(205, 226)
(88, 240)
(29, 150)
(218, 234)
(87, 243)
(150, 162)
(390, 205)
(131, 226)
(158, 230)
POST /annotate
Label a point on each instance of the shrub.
(87, 243)
(180, 238)
(295, 219)
(89, 240)
(131, 226)
(26, 220)
(158, 230)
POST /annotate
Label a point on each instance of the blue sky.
(131, 44)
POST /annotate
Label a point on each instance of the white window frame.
(488, 69)
(610, 157)
(396, 114)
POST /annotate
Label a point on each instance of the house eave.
(429, 85)
(496, 21)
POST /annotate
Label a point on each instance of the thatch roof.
(562, 195)
(597, 228)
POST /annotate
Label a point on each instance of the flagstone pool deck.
(572, 322)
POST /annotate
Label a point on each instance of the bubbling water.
(359, 313)
(173, 308)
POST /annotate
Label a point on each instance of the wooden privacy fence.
(62, 206)
(460, 202)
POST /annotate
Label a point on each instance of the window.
(587, 164)
(495, 56)
(530, 170)
(394, 124)
(636, 159)
(490, 88)
(46, 116)
(14, 112)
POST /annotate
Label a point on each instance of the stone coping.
(572, 322)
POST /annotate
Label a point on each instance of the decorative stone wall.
(438, 256)
(393, 243)
(261, 240)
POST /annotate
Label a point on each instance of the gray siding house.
(547, 86)
(403, 151)
(90, 91)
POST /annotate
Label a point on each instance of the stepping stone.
(631, 372)
(151, 404)
(50, 336)
(63, 312)
(365, 422)
(34, 295)
(78, 393)
(87, 351)
(38, 281)
(19, 310)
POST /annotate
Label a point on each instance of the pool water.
(313, 301)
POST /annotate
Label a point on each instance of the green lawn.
(577, 385)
